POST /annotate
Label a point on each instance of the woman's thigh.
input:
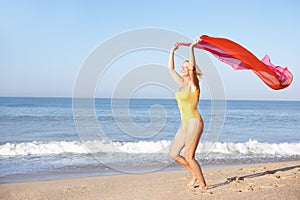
(178, 143)
(194, 129)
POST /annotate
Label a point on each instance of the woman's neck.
(186, 79)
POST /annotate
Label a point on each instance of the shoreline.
(96, 170)
(244, 181)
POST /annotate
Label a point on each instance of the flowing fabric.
(239, 58)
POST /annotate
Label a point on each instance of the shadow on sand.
(237, 178)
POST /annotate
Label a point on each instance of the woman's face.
(184, 69)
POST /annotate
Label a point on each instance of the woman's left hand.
(196, 41)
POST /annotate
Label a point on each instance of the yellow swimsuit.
(187, 104)
(188, 107)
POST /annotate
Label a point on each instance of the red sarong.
(239, 58)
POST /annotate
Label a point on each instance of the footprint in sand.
(244, 189)
(266, 186)
(279, 185)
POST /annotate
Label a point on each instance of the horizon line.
(148, 98)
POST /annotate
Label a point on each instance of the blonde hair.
(198, 71)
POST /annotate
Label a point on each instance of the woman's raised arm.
(178, 79)
(192, 62)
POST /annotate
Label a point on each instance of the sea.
(51, 138)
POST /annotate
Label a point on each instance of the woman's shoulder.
(194, 88)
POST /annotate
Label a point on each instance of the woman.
(187, 96)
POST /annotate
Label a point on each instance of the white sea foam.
(251, 147)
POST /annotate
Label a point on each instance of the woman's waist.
(189, 113)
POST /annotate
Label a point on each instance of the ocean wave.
(251, 147)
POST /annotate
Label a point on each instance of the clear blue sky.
(44, 43)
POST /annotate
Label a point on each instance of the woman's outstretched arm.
(178, 79)
(192, 62)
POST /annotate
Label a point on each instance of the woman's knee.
(189, 157)
(173, 155)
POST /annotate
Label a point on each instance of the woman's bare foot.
(203, 186)
(193, 181)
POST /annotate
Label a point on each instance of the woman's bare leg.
(193, 134)
(176, 148)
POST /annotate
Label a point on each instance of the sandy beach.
(257, 181)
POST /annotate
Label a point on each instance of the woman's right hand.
(174, 48)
